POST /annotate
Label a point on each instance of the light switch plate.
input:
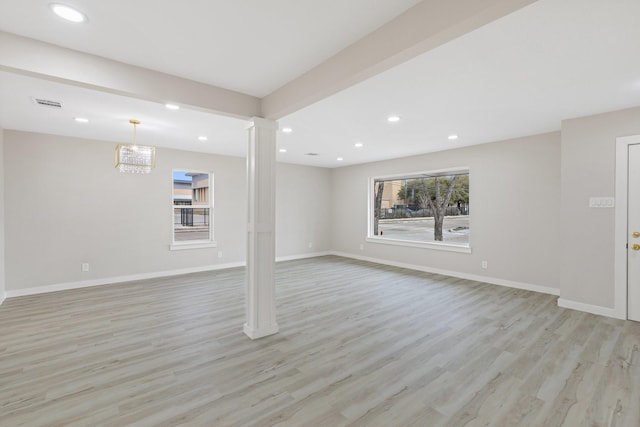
(601, 202)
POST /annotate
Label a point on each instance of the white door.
(633, 234)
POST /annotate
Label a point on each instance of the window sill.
(450, 247)
(192, 245)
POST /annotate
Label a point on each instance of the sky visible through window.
(181, 176)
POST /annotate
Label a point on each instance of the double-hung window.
(192, 209)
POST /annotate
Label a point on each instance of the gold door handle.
(636, 234)
(635, 247)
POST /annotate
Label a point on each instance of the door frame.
(621, 200)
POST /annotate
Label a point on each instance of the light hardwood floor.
(360, 344)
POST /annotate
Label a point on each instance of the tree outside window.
(425, 207)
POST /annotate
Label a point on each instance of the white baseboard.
(564, 303)
(117, 279)
(143, 276)
(589, 308)
(3, 296)
(485, 279)
(302, 256)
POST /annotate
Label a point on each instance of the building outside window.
(192, 209)
(430, 208)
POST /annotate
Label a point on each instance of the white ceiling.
(250, 46)
(520, 75)
(109, 117)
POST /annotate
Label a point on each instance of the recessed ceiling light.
(283, 150)
(358, 145)
(172, 106)
(452, 137)
(68, 13)
(287, 130)
(202, 138)
(81, 120)
(393, 119)
(339, 159)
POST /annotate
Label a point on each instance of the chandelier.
(134, 158)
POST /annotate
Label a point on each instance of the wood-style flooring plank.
(360, 344)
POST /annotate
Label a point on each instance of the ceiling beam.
(427, 25)
(32, 57)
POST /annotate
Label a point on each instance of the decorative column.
(261, 237)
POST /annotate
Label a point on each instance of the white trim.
(588, 308)
(370, 205)
(410, 175)
(490, 280)
(425, 245)
(143, 276)
(210, 242)
(118, 279)
(302, 256)
(620, 249)
(192, 245)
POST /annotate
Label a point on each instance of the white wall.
(515, 210)
(57, 216)
(587, 234)
(2, 237)
(303, 213)
(66, 205)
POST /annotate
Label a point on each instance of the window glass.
(426, 207)
(192, 207)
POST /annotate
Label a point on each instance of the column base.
(254, 334)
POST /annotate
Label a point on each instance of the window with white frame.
(429, 209)
(192, 209)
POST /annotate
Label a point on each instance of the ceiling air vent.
(311, 154)
(47, 103)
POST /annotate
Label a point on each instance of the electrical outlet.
(361, 247)
(85, 267)
(484, 265)
(219, 254)
(310, 245)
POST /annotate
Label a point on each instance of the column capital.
(259, 122)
